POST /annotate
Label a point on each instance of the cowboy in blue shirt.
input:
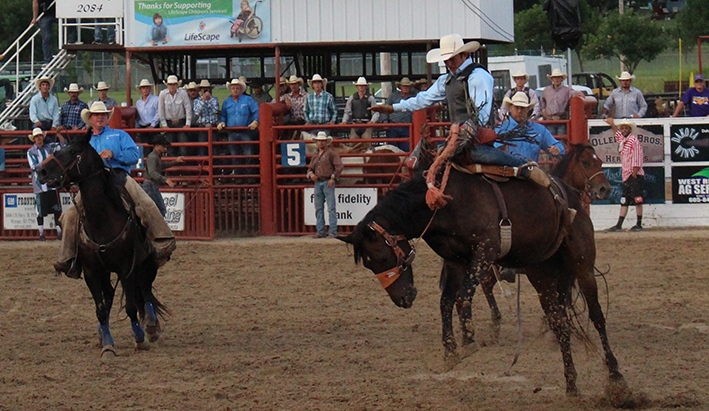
(240, 110)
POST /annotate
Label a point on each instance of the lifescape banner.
(165, 23)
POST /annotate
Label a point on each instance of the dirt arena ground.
(293, 324)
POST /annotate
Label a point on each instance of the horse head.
(583, 170)
(389, 257)
(73, 163)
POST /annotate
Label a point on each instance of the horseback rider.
(119, 152)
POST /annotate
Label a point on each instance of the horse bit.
(402, 260)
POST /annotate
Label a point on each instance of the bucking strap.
(505, 223)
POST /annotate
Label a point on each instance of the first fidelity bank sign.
(352, 204)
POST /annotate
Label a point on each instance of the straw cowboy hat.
(322, 136)
(520, 99)
(405, 82)
(102, 86)
(282, 80)
(295, 79)
(238, 82)
(521, 73)
(144, 83)
(316, 77)
(244, 80)
(557, 73)
(451, 45)
(74, 88)
(36, 132)
(172, 79)
(625, 76)
(361, 82)
(205, 84)
(191, 86)
(627, 122)
(41, 80)
(96, 108)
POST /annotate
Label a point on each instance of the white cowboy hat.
(41, 80)
(244, 80)
(205, 84)
(144, 83)
(521, 73)
(74, 88)
(627, 122)
(625, 76)
(451, 45)
(97, 107)
(322, 136)
(557, 73)
(36, 132)
(361, 82)
(102, 86)
(295, 79)
(191, 86)
(405, 82)
(238, 82)
(519, 99)
(172, 79)
(316, 77)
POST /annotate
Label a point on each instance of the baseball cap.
(698, 77)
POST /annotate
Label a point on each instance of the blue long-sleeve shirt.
(148, 111)
(239, 113)
(529, 151)
(480, 84)
(42, 110)
(125, 151)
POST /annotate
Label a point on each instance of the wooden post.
(129, 100)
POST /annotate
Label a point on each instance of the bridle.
(587, 180)
(74, 163)
(403, 261)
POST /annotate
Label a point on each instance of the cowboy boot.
(536, 174)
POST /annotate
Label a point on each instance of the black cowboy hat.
(160, 140)
(257, 82)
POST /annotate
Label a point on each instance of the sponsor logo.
(11, 201)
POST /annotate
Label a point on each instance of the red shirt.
(631, 154)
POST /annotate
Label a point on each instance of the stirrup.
(531, 171)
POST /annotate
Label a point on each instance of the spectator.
(421, 85)
(240, 110)
(520, 78)
(71, 110)
(154, 167)
(46, 198)
(697, 98)
(110, 32)
(356, 110)
(324, 170)
(283, 84)
(147, 106)
(631, 157)
(295, 101)
(625, 101)
(319, 105)
(175, 111)
(403, 92)
(102, 89)
(7, 85)
(46, 23)
(245, 81)
(44, 107)
(257, 93)
(206, 108)
(193, 93)
(555, 101)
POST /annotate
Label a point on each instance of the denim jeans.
(243, 150)
(46, 24)
(153, 191)
(110, 31)
(484, 154)
(399, 132)
(174, 137)
(323, 194)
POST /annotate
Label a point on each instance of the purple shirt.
(556, 101)
(697, 102)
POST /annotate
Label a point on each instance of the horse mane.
(563, 165)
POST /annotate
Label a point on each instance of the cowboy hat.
(521, 73)
(405, 82)
(627, 122)
(97, 107)
(361, 82)
(244, 80)
(172, 79)
(41, 80)
(144, 83)
(74, 88)
(520, 99)
(557, 73)
(160, 140)
(295, 79)
(625, 76)
(191, 86)
(316, 77)
(36, 132)
(322, 136)
(451, 45)
(282, 80)
(238, 82)
(102, 86)
(205, 84)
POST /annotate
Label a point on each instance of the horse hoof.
(142, 346)
(153, 333)
(451, 360)
(108, 353)
(620, 396)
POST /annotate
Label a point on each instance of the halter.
(402, 260)
(75, 162)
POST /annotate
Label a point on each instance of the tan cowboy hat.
(322, 136)
(521, 73)
(451, 45)
(520, 99)
(238, 82)
(190, 86)
(205, 84)
(97, 107)
(282, 80)
(41, 80)
(172, 79)
(626, 76)
(36, 132)
(557, 73)
(361, 82)
(295, 79)
(74, 88)
(405, 82)
(244, 80)
(102, 86)
(144, 83)
(626, 122)
(317, 77)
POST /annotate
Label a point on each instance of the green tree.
(532, 30)
(629, 35)
(692, 21)
(17, 16)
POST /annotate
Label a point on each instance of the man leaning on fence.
(175, 110)
(147, 106)
(206, 108)
(625, 101)
(44, 106)
(319, 105)
(240, 110)
(356, 110)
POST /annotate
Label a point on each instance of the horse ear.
(84, 138)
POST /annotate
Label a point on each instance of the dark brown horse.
(466, 234)
(114, 241)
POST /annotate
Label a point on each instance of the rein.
(388, 277)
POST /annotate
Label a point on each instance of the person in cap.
(356, 109)
(631, 158)
(257, 92)
(44, 106)
(320, 105)
(154, 167)
(520, 79)
(555, 101)
(535, 137)
(102, 89)
(625, 101)
(206, 107)
(71, 109)
(324, 170)
(147, 106)
(46, 198)
(240, 110)
(175, 111)
(295, 101)
(119, 152)
(403, 91)
(466, 82)
(696, 98)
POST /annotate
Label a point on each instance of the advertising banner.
(689, 142)
(690, 185)
(651, 137)
(84, 9)
(352, 204)
(654, 185)
(158, 23)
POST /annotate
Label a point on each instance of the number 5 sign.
(293, 155)
(89, 8)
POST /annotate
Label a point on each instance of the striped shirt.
(320, 109)
(627, 103)
(631, 154)
(35, 156)
(206, 112)
(71, 114)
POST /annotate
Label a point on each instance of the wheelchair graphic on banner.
(250, 26)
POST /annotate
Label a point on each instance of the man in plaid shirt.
(319, 105)
(295, 101)
(71, 110)
(206, 108)
(631, 158)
